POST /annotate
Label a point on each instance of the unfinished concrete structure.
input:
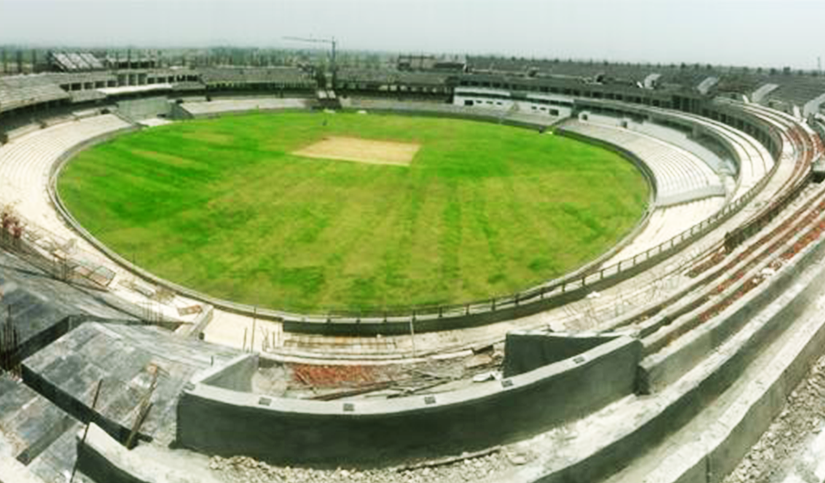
(662, 360)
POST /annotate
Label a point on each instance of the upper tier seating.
(580, 69)
(795, 88)
(798, 90)
(241, 75)
(389, 77)
(25, 90)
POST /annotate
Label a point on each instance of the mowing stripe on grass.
(223, 207)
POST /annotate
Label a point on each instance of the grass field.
(222, 206)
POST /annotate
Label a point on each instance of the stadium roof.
(75, 61)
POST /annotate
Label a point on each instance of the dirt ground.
(361, 151)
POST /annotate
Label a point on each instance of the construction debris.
(448, 460)
(328, 382)
(469, 467)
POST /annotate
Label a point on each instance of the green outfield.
(225, 207)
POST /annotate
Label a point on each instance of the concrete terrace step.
(677, 172)
(711, 444)
(667, 222)
(709, 416)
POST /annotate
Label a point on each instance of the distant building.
(452, 63)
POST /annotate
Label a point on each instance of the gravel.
(772, 457)
(247, 470)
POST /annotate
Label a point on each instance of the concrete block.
(527, 351)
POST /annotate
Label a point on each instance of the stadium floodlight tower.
(333, 46)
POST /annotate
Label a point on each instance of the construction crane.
(331, 42)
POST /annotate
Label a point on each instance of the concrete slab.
(127, 359)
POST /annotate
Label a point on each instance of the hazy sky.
(739, 32)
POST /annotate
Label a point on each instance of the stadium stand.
(690, 78)
(26, 163)
(418, 106)
(797, 90)
(707, 84)
(224, 106)
(753, 159)
(223, 78)
(635, 73)
(23, 91)
(763, 90)
(431, 62)
(667, 222)
(794, 88)
(79, 97)
(706, 148)
(680, 176)
(389, 80)
(138, 61)
(739, 84)
(704, 311)
(819, 121)
(84, 81)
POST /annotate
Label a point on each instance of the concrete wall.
(527, 351)
(219, 421)
(496, 99)
(144, 108)
(40, 340)
(236, 375)
(746, 431)
(177, 112)
(103, 459)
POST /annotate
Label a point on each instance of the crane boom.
(306, 39)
